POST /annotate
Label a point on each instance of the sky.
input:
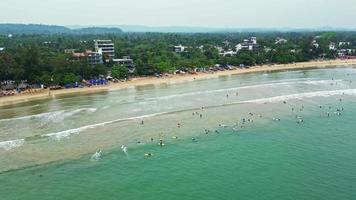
(195, 13)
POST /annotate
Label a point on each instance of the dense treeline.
(41, 58)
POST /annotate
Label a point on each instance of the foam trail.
(67, 133)
(269, 84)
(52, 116)
(11, 144)
(49, 114)
(301, 96)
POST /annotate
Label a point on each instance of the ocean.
(280, 135)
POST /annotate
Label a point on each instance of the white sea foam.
(55, 116)
(36, 116)
(302, 96)
(269, 84)
(67, 133)
(11, 144)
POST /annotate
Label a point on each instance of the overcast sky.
(205, 13)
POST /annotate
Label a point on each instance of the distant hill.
(53, 29)
(187, 29)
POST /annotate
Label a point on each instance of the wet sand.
(46, 94)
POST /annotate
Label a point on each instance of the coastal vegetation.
(42, 58)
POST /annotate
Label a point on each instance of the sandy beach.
(46, 94)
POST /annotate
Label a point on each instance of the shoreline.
(142, 81)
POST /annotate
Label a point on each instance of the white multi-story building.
(248, 44)
(94, 57)
(179, 48)
(106, 47)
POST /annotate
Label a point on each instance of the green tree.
(119, 71)
(69, 78)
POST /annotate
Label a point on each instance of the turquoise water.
(264, 159)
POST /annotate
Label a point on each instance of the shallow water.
(46, 146)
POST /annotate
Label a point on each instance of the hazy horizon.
(186, 13)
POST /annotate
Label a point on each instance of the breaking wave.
(65, 134)
(52, 116)
(11, 144)
(302, 96)
(269, 84)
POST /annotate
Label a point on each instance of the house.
(179, 48)
(332, 46)
(125, 61)
(345, 52)
(281, 41)
(315, 44)
(228, 53)
(344, 44)
(70, 51)
(2, 49)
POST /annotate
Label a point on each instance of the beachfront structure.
(228, 53)
(94, 57)
(125, 61)
(332, 46)
(249, 44)
(179, 48)
(106, 47)
(344, 44)
(345, 52)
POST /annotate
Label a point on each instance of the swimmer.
(124, 148)
(161, 143)
(148, 154)
(96, 156)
